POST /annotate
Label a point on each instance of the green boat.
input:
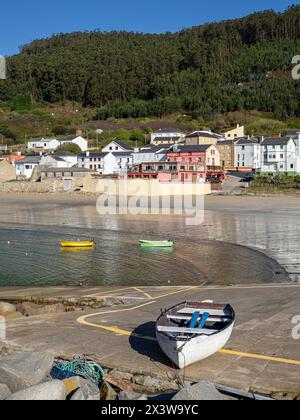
(157, 244)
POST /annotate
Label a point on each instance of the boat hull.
(145, 244)
(185, 353)
(70, 244)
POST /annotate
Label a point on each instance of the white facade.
(43, 144)
(280, 155)
(55, 162)
(78, 140)
(106, 163)
(3, 147)
(71, 159)
(25, 167)
(165, 134)
(116, 147)
(247, 154)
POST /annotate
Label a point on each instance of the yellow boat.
(77, 244)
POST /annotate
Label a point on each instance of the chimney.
(78, 132)
(87, 154)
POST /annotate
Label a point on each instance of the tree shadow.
(143, 341)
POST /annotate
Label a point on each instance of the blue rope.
(81, 367)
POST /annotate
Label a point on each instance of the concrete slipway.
(262, 355)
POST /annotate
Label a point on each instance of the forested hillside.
(204, 71)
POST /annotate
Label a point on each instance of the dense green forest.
(242, 64)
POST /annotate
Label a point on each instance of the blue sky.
(26, 20)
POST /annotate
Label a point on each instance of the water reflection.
(36, 227)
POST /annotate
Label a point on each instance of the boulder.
(6, 349)
(4, 392)
(78, 388)
(22, 369)
(31, 309)
(47, 391)
(154, 385)
(131, 396)
(202, 391)
(6, 308)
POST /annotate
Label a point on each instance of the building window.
(292, 166)
(281, 156)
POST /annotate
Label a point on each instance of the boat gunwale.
(185, 338)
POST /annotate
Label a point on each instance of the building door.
(67, 185)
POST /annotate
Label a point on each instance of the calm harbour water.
(30, 232)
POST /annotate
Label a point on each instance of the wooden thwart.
(179, 330)
(212, 312)
(187, 318)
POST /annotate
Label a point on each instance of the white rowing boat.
(193, 331)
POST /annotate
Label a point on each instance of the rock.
(81, 389)
(31, 309)
(78, 396)
(117, 383)
(123, 376)
(131, 396)
(6, 349)
(151, 384)
(4, 392)
(47, 391)
(21, 370)
(107, 393)
(202, 391)
(6, 308)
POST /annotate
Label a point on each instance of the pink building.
(184, 163)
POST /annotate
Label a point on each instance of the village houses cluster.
(200, 156)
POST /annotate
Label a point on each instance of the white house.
(106, 163)
(70, 158)
(247, 154)
(43, 144)
(53, 161)
(167, 136)
(117, 146)
(25, 167)
(75, 139)
(3, 148)
(280, 155)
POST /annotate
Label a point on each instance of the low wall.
(31, 187)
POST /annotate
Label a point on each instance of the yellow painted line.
(143, 292)
(186, 289)
(260, 357)
(110, 292)
(83, 319)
